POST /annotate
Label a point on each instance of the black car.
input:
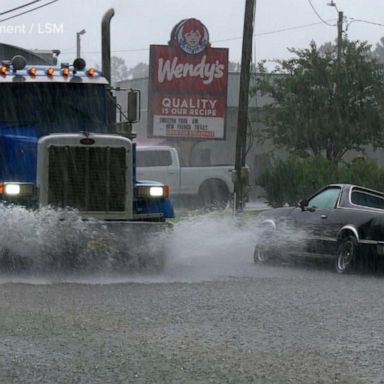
(341, 221)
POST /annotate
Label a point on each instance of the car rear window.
(366, 199)
(153, 158)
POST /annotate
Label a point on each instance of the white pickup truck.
(211, 184)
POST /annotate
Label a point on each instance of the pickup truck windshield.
(54, 107)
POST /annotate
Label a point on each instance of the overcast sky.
(138, 23)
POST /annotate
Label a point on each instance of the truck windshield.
(55, 107)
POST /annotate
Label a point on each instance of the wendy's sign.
(191, 36)
(188, 85)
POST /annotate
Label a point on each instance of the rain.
(190, 192)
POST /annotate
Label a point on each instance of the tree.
(236, 67)
(379, 51)
(119, 70)
(321, 106)
(233, 66)
(138, 71)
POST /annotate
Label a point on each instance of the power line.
(289, 29)
(318, 15)
(364, 21)
(30, 10)
(115, 51)
(21, 6)
(215, 41)
(238, 37)
(272, 32)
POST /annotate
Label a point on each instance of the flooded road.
(210, 316)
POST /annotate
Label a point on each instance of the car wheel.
(214, 194)
(262, 252)
(347, 252)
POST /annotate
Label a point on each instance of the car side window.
(153, 158)
(325, 199)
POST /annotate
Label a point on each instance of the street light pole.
(78, 34)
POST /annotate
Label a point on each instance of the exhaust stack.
(106, 44)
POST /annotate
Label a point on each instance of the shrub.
(364, 172)
(288, 181)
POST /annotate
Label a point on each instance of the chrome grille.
(87, 178)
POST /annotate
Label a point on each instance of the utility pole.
(339, 35)
(339, 30)
(240, 176)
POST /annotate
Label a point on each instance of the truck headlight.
(156, 191)
(151, 191)
(12, 189)
(16, 189)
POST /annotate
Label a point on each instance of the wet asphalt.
(218, 320)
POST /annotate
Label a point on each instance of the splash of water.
(43, 239)
(200, 247)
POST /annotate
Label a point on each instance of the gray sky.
(138, 23)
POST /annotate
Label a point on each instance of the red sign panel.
(188, 86)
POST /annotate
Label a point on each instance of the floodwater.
(209, 316)
(202, 246)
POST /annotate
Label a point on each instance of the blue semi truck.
(61, 145)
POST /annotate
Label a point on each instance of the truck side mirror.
(134, 106)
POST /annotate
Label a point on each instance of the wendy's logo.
(191, 36)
